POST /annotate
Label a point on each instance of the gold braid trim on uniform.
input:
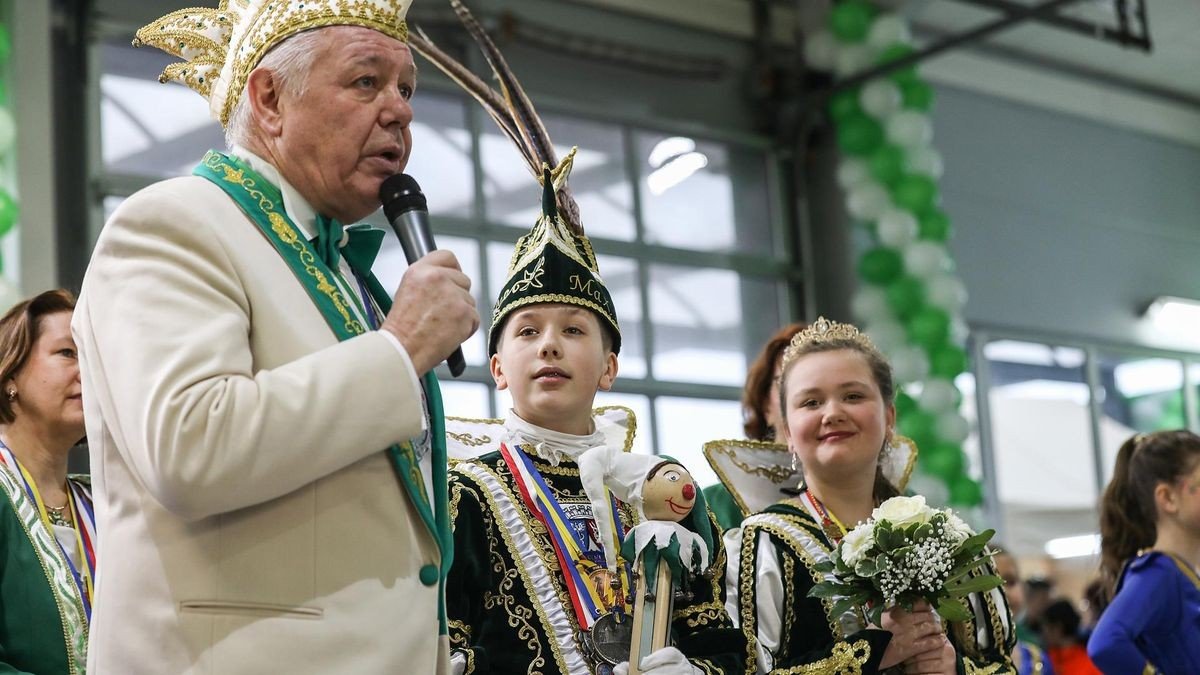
(460, 635)
(701, 615)
(789, 601)
(847, 659)
(970, 668)
(749, 615)
(805, 557)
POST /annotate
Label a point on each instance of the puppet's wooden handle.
(651, 617)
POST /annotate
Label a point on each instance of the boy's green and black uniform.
(524, 532)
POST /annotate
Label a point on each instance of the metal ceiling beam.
(1025, 14)
(1121, 35)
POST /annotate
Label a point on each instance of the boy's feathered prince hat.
(554, 262)
(220, 47)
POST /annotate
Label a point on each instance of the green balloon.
(905, 296)
(929, 328)
(844, 104)
(858, 134)
(919, 426)
(887, 164)
(914, 192)
(880, 265)
(916, 94)
(965, 492)
(895, 53)
(947, 361)
(904, 404)
(934, 225)
(850, 20)
(8, 212)
(944, 460)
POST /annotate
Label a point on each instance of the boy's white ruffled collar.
(552, 446)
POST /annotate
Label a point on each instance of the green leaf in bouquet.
(824, 567)
(875, 614)
(977, 542)
(974, 585)
(952, 609)
(922, 533)
(842, 606)
(828, 589)
(867, 567)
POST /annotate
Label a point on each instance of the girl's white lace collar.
(552, 446)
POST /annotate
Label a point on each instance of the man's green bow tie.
(362, 245)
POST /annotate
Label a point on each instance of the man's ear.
(610, 372)
(264, 97)
(498, 372)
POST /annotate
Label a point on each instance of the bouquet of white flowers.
(906, 552)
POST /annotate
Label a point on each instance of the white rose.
(903, 511)
(856, 543)
(957, 529)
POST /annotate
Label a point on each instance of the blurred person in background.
(1060, 625)
(1039, 593)
(47, 530)
(761, 423)
(1028, 657)
(1149, 555)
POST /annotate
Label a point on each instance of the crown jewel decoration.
(220, 46)
(825, 331)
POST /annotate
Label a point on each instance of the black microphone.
(406, 210)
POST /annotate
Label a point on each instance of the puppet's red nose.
(689, 491)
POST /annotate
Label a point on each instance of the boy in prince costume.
(530, 590)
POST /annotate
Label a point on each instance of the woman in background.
(1150, 552)
(47, 529)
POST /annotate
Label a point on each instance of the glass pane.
(620, 276)
(390, 266)
(1140, 394)
(1042, 442)
(702, 195)
(708, 322)
(640, 405)
(441, 156)
(465, 399)
(598, 180)
(686, 424)
(147, 128)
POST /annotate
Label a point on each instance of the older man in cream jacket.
(266, 434)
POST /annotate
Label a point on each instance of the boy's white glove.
(458, 662)
(666, 661)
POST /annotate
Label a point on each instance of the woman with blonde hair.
(47, 530)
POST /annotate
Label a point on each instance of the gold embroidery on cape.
(470, 440)
(847, 659)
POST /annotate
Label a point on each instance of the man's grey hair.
(290, 61)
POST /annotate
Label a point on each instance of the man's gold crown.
(822, 331)
(220, 46)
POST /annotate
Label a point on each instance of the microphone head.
(399, 194)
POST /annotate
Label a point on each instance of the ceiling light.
(1073, 547)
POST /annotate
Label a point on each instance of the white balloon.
(924, 160)
(896, 228)
(851, 58)
(868, 200)
(880, 98)
(959, 331)
(888, 30)
(909, 128)
(945, 291)
(938, 395)
(870, 304)
(933, 489)
(887, 334)
(851, 172)
(8, 131)
(952, 427)
(925, 259)
(910, 364)
(820, 50)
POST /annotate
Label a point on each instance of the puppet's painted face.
(669, 493)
